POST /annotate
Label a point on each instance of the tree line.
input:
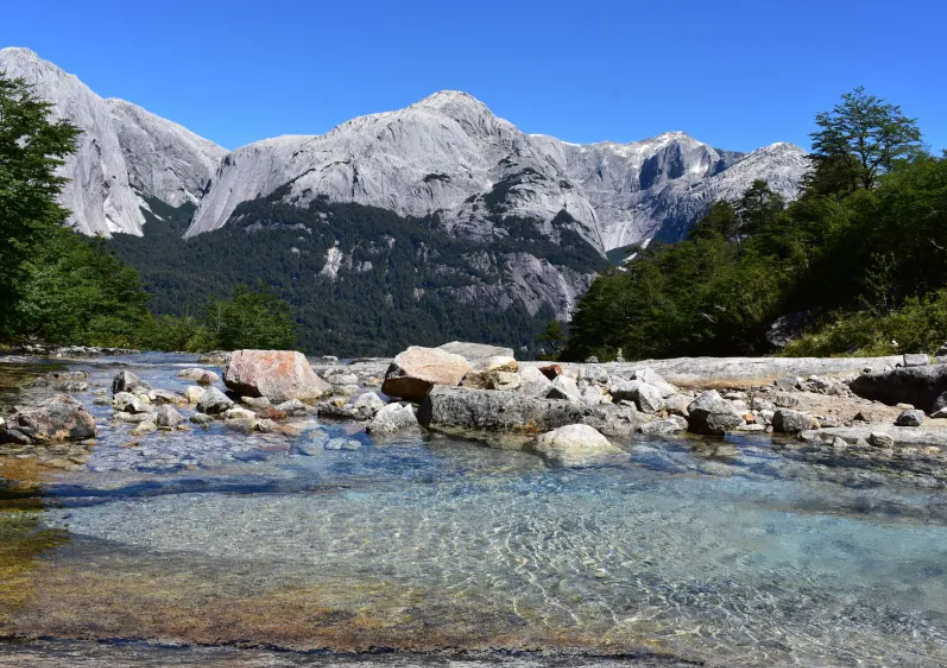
(858, 261)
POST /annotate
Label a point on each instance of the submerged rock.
(198, 375)
(576, 445)
(278, 375)
(414, 372)
(58, 418)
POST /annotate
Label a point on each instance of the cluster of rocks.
(49, 350)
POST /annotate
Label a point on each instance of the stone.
(278, 375)
(593, 396)
(58, 418)
(939, 414)
(369, 402)
(786, 400)
(474, 352)
(145, 427)
(237, 413)
(576, 445)
(671, 425)
(391, 419)
(492, 380)
(127, 402)
(466, 409)
(911, 418)
(564, 387)
(919, 386)
(241, 425)
(198, 375)
(193, 394)
(201, 419)
(268, 426)
(677, 403)
(914, 360)
(653, 378)
(787, 421)
(126, 381)
(342, 444)
(293, 407)
(256, 403)
(214, 402)
(551, 371)
(342, 379)
(159, 397)
(751, 428)
(904, 407)
(787, 383)
(760, 404)
(166, 416)
(132, 418)
(879, 439)
(214, 357)
(415, 371)
(711, 414)
(533, 382)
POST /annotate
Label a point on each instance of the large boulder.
(576, 445)
(278, 375)
(919, 386)
(711, 414)
(59, 418)
(414, 372)
(463, 408)
(475, 352)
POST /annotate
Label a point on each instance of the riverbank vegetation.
(858, 262)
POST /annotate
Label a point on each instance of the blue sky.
(734, 74)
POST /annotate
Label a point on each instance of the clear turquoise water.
(729, 553)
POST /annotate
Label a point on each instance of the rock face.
(278, 375)
(125, 154)
(415, 371)
(576, 445)
(463, 408)
(449, 153)
(59, 418)
(919, 386)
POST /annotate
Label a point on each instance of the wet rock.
(576, 445)
(198, 375)
(58, 418)
(671, 425)
(463, 408)
(278, 375)
(293, 407)
(193, 394)
(71, 386)
(911, 418)
(787, 421)
(201, 419)
(564, 387)
(474, 352)
(146, 426)
(711, 414)
(751, 428)
(920, 386)
(214, 402)
(369, 403)
(237, 413)
(391, 419)
(315, 443)
(267, 426)
(126, 381)
(414, 372)
(132, 418)
(342, 444)
(166, 397)
(127, 402)
(258, 403)
(243, 426)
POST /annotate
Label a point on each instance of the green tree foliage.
(862, 138)
(863, 251)
(552, 340)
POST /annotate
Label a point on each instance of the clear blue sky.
(734, 74)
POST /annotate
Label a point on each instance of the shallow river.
(179, 548)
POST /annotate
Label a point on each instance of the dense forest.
(856, 265)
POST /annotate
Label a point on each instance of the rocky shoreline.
(824, 409)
